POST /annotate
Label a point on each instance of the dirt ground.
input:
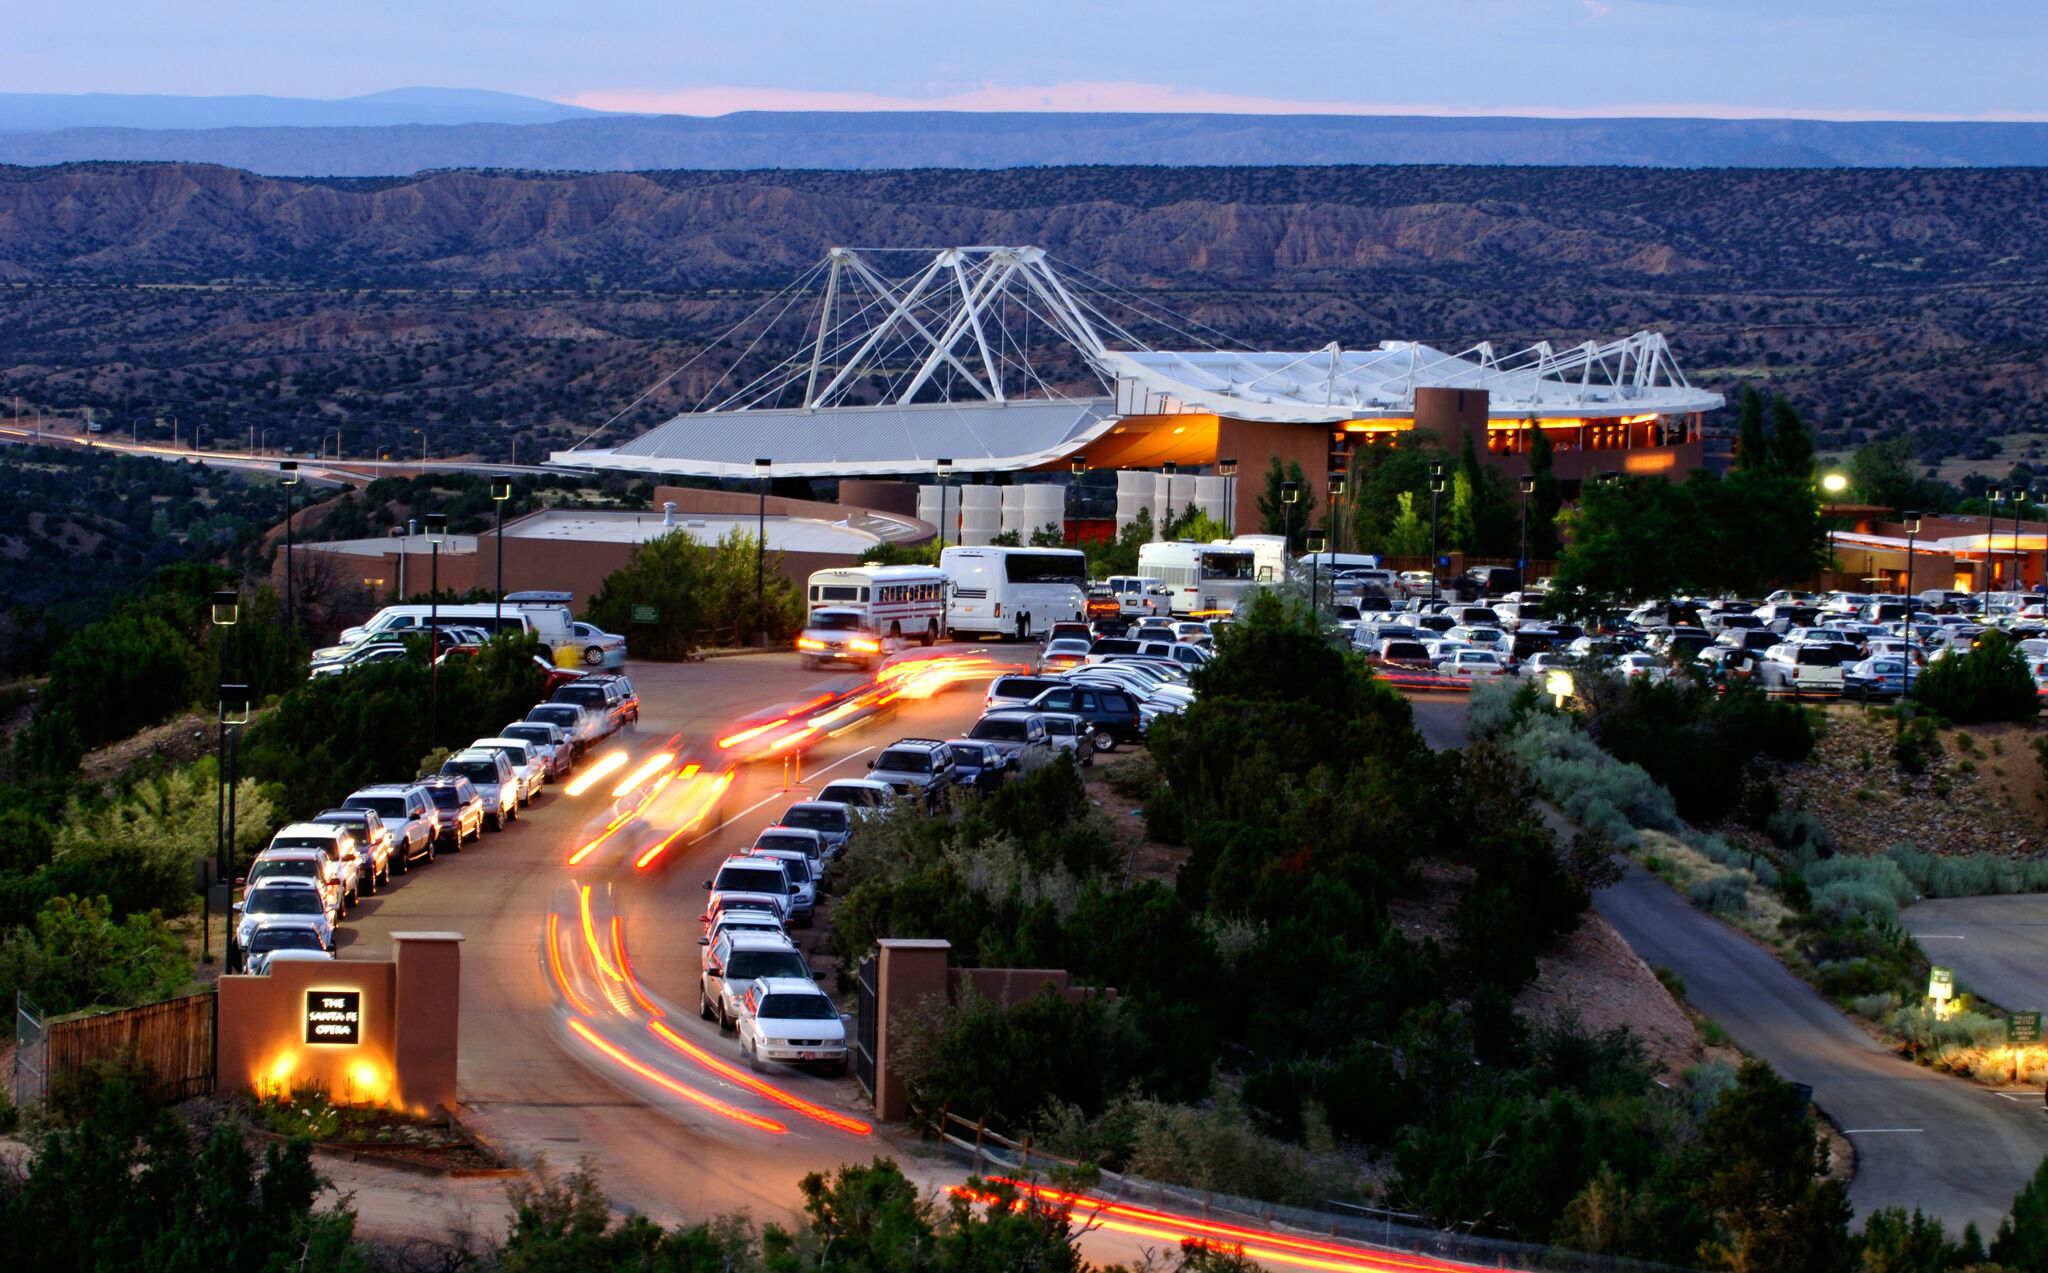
(180, 742)
(1984, 792)
(1595, 974)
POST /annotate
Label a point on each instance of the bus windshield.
(1046, 568)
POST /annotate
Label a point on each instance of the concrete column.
(910, 972)
(429, 1018)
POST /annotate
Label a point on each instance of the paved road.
(1922, 1139)
(1997, 945)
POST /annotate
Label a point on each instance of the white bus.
(1269, 555)
(1014, 590)
(905, 602)
(1201, 579)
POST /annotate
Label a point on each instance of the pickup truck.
(1803, 670)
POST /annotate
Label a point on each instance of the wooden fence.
(172, 1039)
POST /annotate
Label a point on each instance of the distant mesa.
(406, 131)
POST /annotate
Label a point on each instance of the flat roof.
(784, 534)
(378, 545)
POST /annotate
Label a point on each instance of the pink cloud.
(1112, 96)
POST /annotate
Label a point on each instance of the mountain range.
(413, 130)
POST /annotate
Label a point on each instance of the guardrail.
(990, 1152)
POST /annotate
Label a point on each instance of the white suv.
(409, 815)
(789, 1019)
(731, 962)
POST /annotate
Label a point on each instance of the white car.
(1472, 665)
(1642, 666)
(731, 963)
(275, 943)
(527, 762)
(790, 1019)
(1541, 664)
(552, 741)
(284, 903)
(599, 647)
(1480, 637)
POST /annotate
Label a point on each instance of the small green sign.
(646, 614)
(2023, 1027)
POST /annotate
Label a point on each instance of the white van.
(1139, 595)
(544, 614)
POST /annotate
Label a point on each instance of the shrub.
(1574, 772)
(77, 955)
(1968, 875)
(1989, 682)
(1722, 894)
(1871, 887)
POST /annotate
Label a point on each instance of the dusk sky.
(1979, 59)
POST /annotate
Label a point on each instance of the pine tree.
(1752, 449)
(1791, 441)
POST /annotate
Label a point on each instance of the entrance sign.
(334, 1016)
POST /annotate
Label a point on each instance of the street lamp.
(945, 471)
(423, 449)
(288, 471)
(437, 530)
(1227, 469)
(1338, 485)
(1834, 484)
(1314, 539)
(1290, 495)
(501, 490)
(760, 545)
(1168, 470)
(227, 609)
(1436, 488)
(234, 711)
(1528, 484)
(1076, 466)
(1993, 497)
(2021, 498)
(1912, 520)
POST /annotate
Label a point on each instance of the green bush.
(76, 955)
(1968, 874)
(701, 594)
(1594, 789)
(1989, 682)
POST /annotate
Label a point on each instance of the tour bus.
(1202, 580)
(903, 602)
(544, 614)
(1014, 591)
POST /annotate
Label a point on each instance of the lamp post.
(1338, 485)
(1834, 484)
(1314, 538)
(2021, 498)
(1993, 497)
(501, 490)
(437, 530)
(234, 711)
(1912, 520)
(1290, 495)
(1227, 469)
(1527, 482)
(760, 546)
(423, 449)
(1167, 470)
(1076, 466)
(227, 608)
(1436, 488)
(944, 467)
(288, 471)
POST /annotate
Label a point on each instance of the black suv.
(604, 699)
(1112, 714)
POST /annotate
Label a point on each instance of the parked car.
(338, 843)
(373, 840)
(1874, 678)
(978, 766)
(361, 656)
(790, 1019)
(551, 740)
(494, 779)
(831, 819)
(915, 766)
(1112, 715)
(731, 962)
(629, 696)
(274, 943)
(864, 797)
(803, 880)
(1019, 738)
(461, 810)
(1015, 691)
(1637, 665)
(583, 726)
(1472, 665)
(282, 903)
(600, 648)
(1062, 655)
(606, 703)
(744, 876)
(527, 762)
(1069, 733)
(800, 839)
(308, 865)
(741, 918)
(408, 812)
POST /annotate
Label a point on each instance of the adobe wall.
(403, 1053)
(1253, 444)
